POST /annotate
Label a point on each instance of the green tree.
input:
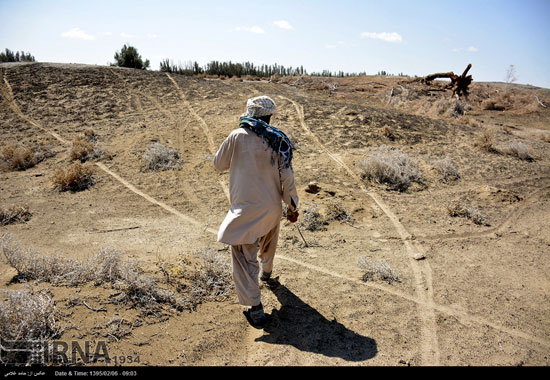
(129, 57)
(9, 56)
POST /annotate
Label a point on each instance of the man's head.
(260, 107)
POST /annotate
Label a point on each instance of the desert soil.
(468, 294)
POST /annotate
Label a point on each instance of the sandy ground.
(478, 296)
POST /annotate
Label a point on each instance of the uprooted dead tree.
(459, 83)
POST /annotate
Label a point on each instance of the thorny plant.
(377, 270)
(392, 168)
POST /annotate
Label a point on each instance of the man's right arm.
(222, 159)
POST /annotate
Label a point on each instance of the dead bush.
(26, 316)
(76, 177)
(31, 265)
(84, 150)
(446, 169)
(159, 157)
(14, 214)
(90, 135)
(392, 168)
(336, 211)
(20, 157)
(459, 209)
(386, 132)
(311, 219)
(492, 104)
(377, 270)
(107, 267)
(486, 140)
(519, 150)
(81, 150)
(212, 279)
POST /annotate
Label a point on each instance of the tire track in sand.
(205, 128)
(188, 191)
(8, 94)
(461, 315)
(421, 271)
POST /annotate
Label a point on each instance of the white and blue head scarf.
(277, 140)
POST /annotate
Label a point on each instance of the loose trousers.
(246, 267)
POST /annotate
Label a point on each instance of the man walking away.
(259, 159)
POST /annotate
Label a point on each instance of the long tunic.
(256, 188)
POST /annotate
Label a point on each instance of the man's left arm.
(290, 195)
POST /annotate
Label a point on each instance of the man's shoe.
(265, 276)
(256, 316)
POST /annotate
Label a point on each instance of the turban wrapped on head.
(259, 106)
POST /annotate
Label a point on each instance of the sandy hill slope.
(444, 269)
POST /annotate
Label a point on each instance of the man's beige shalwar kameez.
(256, 187)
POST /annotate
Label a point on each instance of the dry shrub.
(392, 168)
(213, 278)
(486, 140)
(81, 150)
(311, 219)
(26, 316)
(84, 150)
(386, 132)
(31, 265)
(459, 209)
(76, 177)
(21, 157)
(336, 211)
(446, 169)
(90, 135)
(377, 270)
(512, 100)
(444, 107)
(519, 150)
(14, 214)
(107, 267)
(159, 157)
(492, 104)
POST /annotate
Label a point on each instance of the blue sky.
(415, 37)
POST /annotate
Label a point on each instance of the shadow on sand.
(299, 325)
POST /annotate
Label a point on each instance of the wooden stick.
(300, 232)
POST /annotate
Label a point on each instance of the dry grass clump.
(31, 265)
(493, 104)
(212, 279)
(446, 169)
(311, 219)
(519, 150)
(20, 157)
(392, 168)
(386, 132)
(159, 157)
(459, 209)
(26, 316)
(377, 270)
(87, 148)
(81, 150)
(106, 267)
(486, 140)
(14, 214)
(336, 211)
(76, 177)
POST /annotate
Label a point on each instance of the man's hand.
(292, 216)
